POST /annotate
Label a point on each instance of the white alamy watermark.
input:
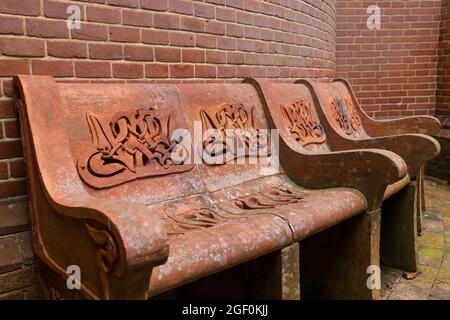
(74, 18)
(374, 280)
(374, 19)
(74, 277)
(227, 146)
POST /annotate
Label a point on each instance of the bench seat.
(268, 222)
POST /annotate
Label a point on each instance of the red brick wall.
(392, 70)
(443, 86)
(143, 40)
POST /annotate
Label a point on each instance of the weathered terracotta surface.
(106, 193)
(349, 127)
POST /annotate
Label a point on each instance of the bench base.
(399, 229)
(335, 262)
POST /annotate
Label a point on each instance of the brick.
(10, 149)
(226, 71)
(90, 32)
(215, 27)
(87, 69)
(168, 54)
(181, 71)
(166, 21)
(4, 170)
(14, 217)
(12, 188)
(204, 10)
(138, 53)
(225, 14)
(137, 18)
(124, 3)
(226, 43)
(181, 39)
(11, 25)
(58, 9)
(128, 70)
(67, 49)
(52, 68)
(105, 51)
(22, 47)
(205, 41)
(12, 129)
(47, 28)
(103, 14)
(159, 5)
(181, 6)
(22, 278)
(192, 24)
(23, 7)
(156, 70)
(25, 243)
(124, 34)
(10, 258)
(17, 168)
(193, 55)
(155, 36)
(205, 71)
(216, 57)
(7, 88)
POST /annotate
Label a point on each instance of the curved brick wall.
(142, 40)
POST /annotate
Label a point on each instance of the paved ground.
(433, 281)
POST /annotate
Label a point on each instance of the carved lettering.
(303, 125)
(231, 133)
(133, 144)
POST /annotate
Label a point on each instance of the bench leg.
(399, 229)
(334, 263)
(421, 207)
(274, 276)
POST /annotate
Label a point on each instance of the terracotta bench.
(349, 127)
(378, 128)
(116, 190)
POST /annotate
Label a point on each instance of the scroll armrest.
(417, 124)
(413, 148)
(369, 171)
(129, 242)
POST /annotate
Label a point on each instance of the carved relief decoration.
(131, 145)
(340, 117)
(303, 124)
(107, 255)
(193, 220)
(270, 198)
(355, 120)
(231, 132)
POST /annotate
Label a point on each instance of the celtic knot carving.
(133, 144)
(269, 199)
(303, 124)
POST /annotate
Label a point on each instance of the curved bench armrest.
(413, 148)
(369, 171)
(140, 236)
(415, 124)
